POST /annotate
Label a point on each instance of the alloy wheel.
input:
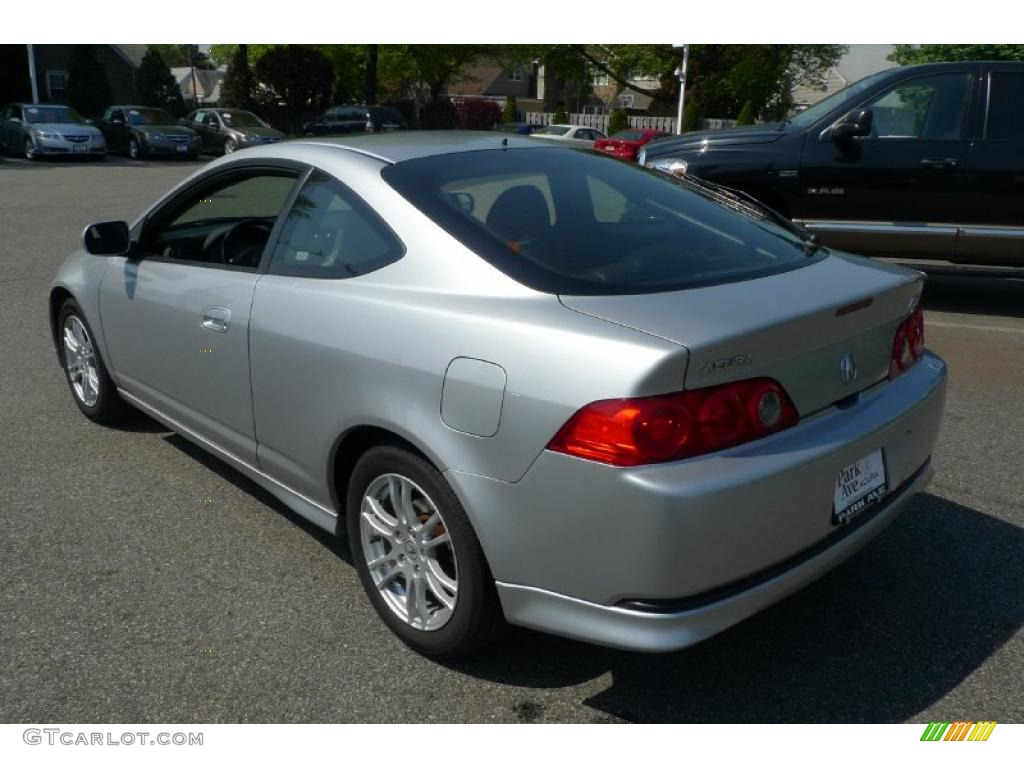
(80, 362)
(409, 552)
(133, 149)
(30, 149)
(229, 146)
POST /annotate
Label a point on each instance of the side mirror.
(853, 125)
(107, 238)
(117, 121)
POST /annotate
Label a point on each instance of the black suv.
(355, 120)
(921, 162)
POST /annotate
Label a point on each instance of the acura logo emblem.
(848, 369)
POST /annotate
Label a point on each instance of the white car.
(573, 134)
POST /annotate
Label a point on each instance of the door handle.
(216, 319)
(939, 162)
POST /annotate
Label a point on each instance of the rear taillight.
(648, 430)
(908, 344)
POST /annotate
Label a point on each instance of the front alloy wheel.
(30, 150)
(134, 150)
(230, 146)
(91, 386)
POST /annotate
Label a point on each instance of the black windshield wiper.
(809, 241)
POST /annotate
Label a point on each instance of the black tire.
(134, 150)
(477, 618)
(109, 408)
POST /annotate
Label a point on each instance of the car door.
(120, 130)
(12, 125)
(993, 217)
(312, 326)
(899, 190)
(196, 121)
(176, 312)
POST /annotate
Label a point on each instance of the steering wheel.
(243, 243)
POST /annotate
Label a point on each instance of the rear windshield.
(571, 221)
(629, 135)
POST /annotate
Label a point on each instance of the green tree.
(301, 75)
(187, 55)
(237, 89)
(155, 86)
(560, 114)
(88, 89)
(925, 54)
(619, 121)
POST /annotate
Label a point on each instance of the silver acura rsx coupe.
(532, 384)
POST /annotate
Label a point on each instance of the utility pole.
(370, 84)
(681, 74)
(32, 73)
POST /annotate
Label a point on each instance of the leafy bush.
(439, 115)
(692, 115)
(560, 115)
(619, 121)
(746, 116)
(478, 114)
(511, 112)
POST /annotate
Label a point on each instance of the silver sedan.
(533, 385)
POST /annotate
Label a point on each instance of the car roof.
(396, 146)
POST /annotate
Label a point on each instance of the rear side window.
(1005, 121)
(569, 221)
(330, 233)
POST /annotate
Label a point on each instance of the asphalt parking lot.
(142, 580)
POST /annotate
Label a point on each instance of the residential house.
(497, 83)
(859, 62)
(51, 68)
(199, 86)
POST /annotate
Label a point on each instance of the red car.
(627, 143)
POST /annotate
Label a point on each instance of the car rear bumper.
(660, 557)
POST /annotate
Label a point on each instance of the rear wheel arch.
(351, 446)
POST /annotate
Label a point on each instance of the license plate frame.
(181, 148)
(80, 147)
(859, 487)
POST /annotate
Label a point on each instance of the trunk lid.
(795, 327)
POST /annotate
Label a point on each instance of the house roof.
(132, 53)
(207, 82)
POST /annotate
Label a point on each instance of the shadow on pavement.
(877, 640)
(974, 294)
(336, 544)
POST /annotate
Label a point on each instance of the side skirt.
(313, 511)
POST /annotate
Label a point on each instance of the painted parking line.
(966, 326)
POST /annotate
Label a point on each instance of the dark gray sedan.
(141, 131)
(225, 130)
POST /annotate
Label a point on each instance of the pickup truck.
(923, 162)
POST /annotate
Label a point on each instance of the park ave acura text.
(534, 384)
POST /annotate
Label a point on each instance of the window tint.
(565, 220)
(1005, 120)
(930, 108)
(227, 224)
(331, 233)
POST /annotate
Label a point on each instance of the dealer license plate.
(79, 147)
(181, 148)
(859, 486)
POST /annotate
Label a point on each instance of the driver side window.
(224, 225)
(931, 108)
